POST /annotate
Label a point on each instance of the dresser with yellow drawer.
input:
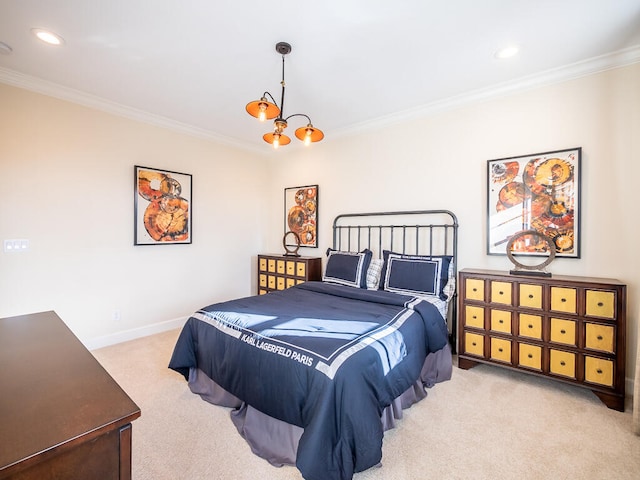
(277, 272)
(568, 328)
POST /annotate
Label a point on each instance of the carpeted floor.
(485, 423)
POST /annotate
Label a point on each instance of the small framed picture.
(301, 214)
(539, 192)
(162, 207)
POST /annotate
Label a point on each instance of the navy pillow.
(415, 274)
(347, 268)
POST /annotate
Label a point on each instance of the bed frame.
(414, 232)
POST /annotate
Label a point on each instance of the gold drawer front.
(474, 289)
(474, 344)
(530, 326)
(563, 331)
(263, 280)
(280, 283)
(301, 269)
(262, 292)
(298, 282)
(501, 321)
(501, 350)
(280, 267)
(600, 304)
(262, 264)
(599, 337)
(562, 363)
(530, 356)
(531, 296)
(563, 299)
(474, 316)
(501, 293)
(271, 265)
(291, 282)
(291, 268)
(598, 370)
(271, 281)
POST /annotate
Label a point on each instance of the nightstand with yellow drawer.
(570, 329)
(279, 272)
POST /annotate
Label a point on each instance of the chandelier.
(264, 109)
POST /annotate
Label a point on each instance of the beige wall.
(440, 162)
(67, 175)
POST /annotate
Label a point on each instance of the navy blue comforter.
(325, 357)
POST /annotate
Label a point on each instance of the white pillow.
(373, 273)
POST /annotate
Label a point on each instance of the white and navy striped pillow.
(435, 277)
(373, 273)
(347, 268)
(413, 276)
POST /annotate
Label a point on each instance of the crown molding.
(591, 66)
(51, 89)
(565, 73)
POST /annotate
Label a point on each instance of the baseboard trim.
(126, 335)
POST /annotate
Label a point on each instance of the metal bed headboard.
(413, 232)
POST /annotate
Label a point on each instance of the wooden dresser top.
(53, 392)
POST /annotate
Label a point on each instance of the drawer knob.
(563, 300)
(473, 343)
(474, 317)
(500, 321)
(501, 293)
(500, 349)
(599, 337)
(474, 289)
(530, 295)
(599, 371)
(563, 331)
(562, 363)
(600, 304)
(530, 326)
(530, 356)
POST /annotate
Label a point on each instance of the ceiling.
(355, 64)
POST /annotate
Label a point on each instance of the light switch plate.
(16, 245)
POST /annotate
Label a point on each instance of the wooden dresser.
(571, 329)
(62, 416)
(277, 272)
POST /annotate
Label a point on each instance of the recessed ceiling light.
(507, 52)
(48, 36)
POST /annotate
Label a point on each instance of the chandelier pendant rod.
(282, 97)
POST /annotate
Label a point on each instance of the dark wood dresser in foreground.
(62, 416)
(571, 329)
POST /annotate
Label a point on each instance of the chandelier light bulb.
(307, 137)
(262, 116)
(276, 140)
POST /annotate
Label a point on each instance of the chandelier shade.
(267, 109)
(276, 139)
(309, 134)
(263, 109)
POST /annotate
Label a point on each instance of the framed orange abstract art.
(301, 214)
(162, 207)
(539, 192)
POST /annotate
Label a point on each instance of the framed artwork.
(162, 207)
(301, 214)
(539, 192)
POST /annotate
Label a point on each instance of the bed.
(316, 373)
